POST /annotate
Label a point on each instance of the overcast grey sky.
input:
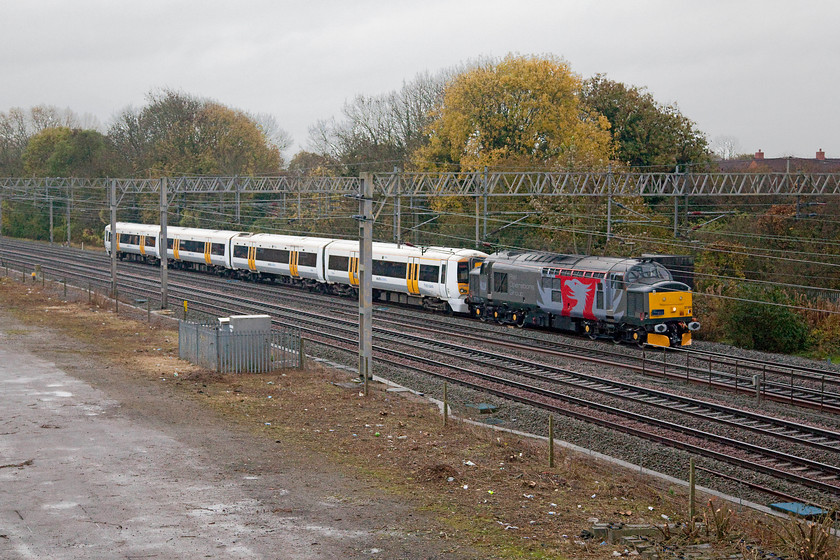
(763, 72)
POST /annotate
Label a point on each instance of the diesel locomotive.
(623, 299)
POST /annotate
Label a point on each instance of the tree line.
(516, 113)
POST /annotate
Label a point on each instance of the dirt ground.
(382, 466)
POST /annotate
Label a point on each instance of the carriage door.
(412, 276)
(354, 269)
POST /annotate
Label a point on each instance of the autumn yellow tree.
(523, 111)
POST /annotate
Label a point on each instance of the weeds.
(718, 521)
(808, 540)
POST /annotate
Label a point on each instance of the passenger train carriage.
(431, 277)
(623, 299)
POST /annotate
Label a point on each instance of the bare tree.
(726, 147)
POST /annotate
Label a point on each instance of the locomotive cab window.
(500, 285)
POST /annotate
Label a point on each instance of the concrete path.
(82, 476)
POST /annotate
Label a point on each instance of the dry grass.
(489, 489)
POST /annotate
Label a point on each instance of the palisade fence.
(217, 348)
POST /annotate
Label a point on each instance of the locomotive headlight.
(673, 310)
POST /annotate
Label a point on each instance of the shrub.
(759, 319)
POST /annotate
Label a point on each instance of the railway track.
(503, 376)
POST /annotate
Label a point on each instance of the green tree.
(62, 152)
(647, 133)
(519, 112)
(178, 134)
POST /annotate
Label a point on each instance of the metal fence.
(219, 349)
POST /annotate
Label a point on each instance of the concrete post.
(114, 236)
(365, 270)
(162, 245)
(69, 200)
(397, 216)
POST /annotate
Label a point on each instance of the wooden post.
(445, 404)
(301, 354)
(551, 441)
(691, 489)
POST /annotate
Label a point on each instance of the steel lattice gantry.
(491, 184)
(480, 185)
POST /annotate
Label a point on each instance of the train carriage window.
(239, 251)
(389, 269)
(339, 263)
(192, 246)
(266, 254)
(556, 296)
(169, 243)
(500, 284)
(599, 296)
(151, 241)
(217, 249)
(443, 274)
(307, 259)
(129, 239)
(429, 273)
